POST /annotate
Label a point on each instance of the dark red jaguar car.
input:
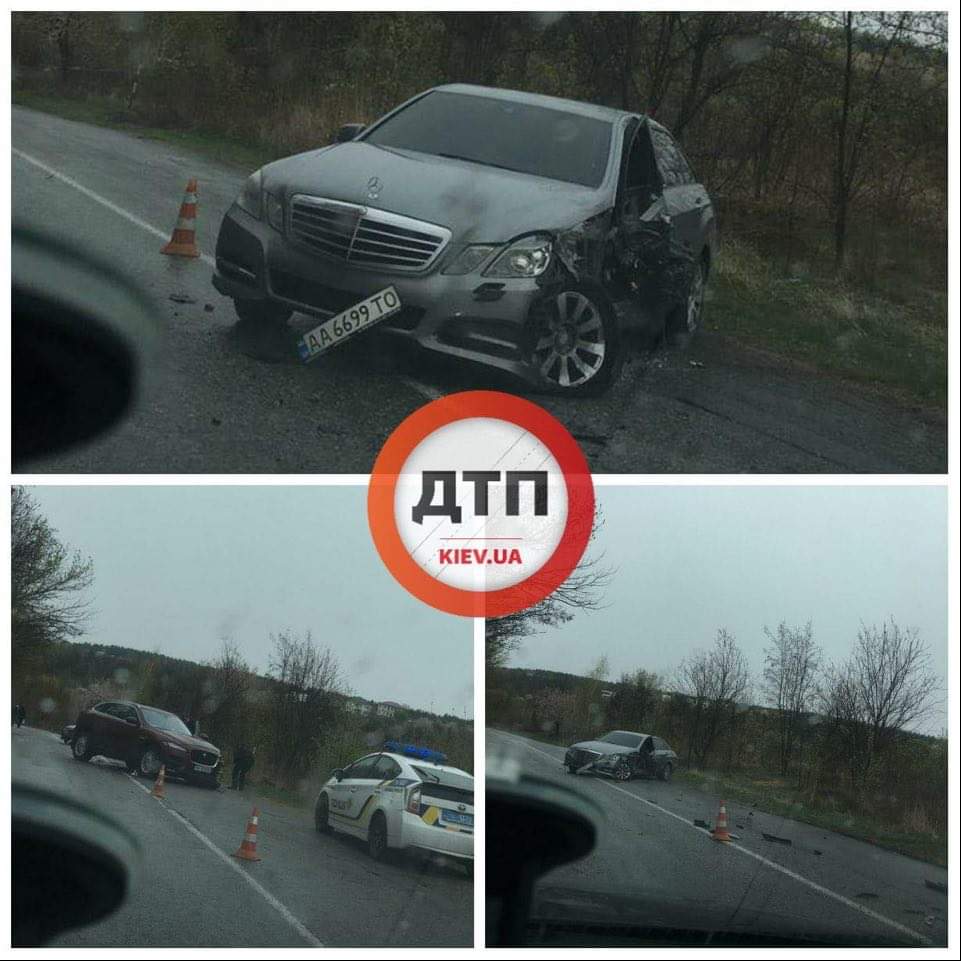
(145, 738)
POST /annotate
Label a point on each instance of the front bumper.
(417, 833)
(471, 317)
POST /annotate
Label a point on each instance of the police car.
(402, 797)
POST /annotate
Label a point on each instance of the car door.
(685, 200)
(350, 793)
(106, 729)
(647, 757)
(128, 732)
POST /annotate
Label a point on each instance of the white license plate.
(203, 768)
(335, 330)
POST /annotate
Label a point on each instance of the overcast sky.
(692, 559)
(178, 567)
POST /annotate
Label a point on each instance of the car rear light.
(413, 800)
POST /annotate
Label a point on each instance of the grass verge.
(839, 329)
(897, 345)
(775, 796)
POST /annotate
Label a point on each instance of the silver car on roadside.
(540, 236)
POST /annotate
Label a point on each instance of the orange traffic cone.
(183, 241)
(720, 832)
(248, 847)
(158, 785)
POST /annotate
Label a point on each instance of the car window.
(674, 168)
(126, 713)
(509, 134)
(164, 721)
(109, 708)
(364, 768)
(641, 170)
(385, 768)
(661, 744)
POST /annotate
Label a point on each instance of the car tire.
(145, 763)
(622, 773)
(687, 318)
(322, 815)
(261, 313)
(377, 837)
(665, 773)
(82, 747)
(574, 315)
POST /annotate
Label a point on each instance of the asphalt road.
(310, 889)
(649, 849)
(219, 403)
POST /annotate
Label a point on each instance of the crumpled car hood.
(602, 747)
(477, 204)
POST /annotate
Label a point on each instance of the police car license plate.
(455, 817)
(335, 330)
(203, 768)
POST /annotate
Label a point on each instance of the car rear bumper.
(417, 833)
(470, 317)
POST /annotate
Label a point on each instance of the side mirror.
(348, 131)
(132, 721)
(338, 774)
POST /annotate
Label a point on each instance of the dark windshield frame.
(624, 739)
(596, 133)
(153, 717)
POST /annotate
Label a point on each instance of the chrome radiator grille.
(364, 236)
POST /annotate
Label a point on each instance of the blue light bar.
(411, 750)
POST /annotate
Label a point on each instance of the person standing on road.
(244, 757)
(19, 714)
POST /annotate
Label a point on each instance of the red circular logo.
(481, 504)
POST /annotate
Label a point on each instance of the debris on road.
(776, 840)
(940, 886)
(866, 895)
(209, 308)
(699, 823)
(695, 363)
(182, 299)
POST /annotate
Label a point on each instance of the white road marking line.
(103, 201)
(280, 908)
(813, 885)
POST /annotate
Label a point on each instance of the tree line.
(297, 716)
(843, 731)
(823, 136)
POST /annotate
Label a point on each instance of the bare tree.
(886, 686)
(791, 665)
(305, 699)
(715, 682)
(47, 583)
(582, 591)
(225, 706)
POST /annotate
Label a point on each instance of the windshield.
(163, 721)
(502, 133)
(623, 739)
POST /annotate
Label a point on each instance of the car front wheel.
(574, 342)
(666, 772)
(622, 772)
(377, 837)
(82, 747)
(261, 313)
(322, 815)
(149, 763)
(687, 317)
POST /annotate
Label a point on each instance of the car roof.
(417, 762)
(632, 733)
(539, 100)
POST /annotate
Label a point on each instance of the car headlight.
(470, 259)
(250, 197)
(615, 758)
(527, 257)
(170, 746)
(275, 211)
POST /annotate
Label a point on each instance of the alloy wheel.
(150, 762)
(571, 345)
